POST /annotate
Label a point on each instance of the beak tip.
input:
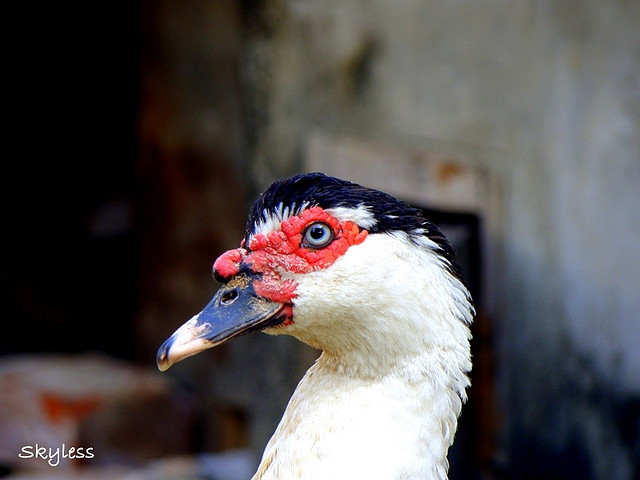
(162, 358)
(163, 365)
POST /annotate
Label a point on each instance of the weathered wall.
(192, 201)
(546, 95)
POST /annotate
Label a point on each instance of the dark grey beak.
(235, 309)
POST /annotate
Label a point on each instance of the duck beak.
(235, 309)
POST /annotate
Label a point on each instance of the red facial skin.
(283, 251)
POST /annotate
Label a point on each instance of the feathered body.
(382, 296)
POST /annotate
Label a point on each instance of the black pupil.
(317, 232)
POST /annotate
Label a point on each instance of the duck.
(376, 287)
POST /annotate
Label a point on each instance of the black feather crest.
(318, 189)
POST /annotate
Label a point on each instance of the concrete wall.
(546, 96)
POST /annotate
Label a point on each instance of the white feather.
(271, 220)
(382, 400)
(361, 215)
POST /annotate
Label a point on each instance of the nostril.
(229, 297)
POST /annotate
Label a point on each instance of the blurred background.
(143, 130)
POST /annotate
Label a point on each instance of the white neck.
(340, 427)
(382, 400)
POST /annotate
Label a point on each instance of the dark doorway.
(467, 456)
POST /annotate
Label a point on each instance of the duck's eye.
(317, 235)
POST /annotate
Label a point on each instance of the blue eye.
(317, 235)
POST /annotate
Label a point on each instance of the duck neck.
(346, 422)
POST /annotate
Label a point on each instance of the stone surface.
(108, 411)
